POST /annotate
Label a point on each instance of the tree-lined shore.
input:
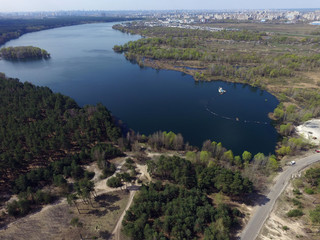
(23, 53)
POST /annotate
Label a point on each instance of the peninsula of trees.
(38, 127)
(23, 53)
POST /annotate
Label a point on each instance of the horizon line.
(157, 10)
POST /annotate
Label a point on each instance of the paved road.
(263, 211)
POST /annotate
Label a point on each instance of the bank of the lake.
(84, 67)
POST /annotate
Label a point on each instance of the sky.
(55, 5)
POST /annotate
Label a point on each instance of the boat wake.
(234, 119)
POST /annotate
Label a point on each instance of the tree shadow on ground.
(106, 199)
(98, 213)
(105, 234)
(255, 199)
(105, 203)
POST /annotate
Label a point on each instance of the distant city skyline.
(57, 5)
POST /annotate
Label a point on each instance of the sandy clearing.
(58, 214)
(310, 130)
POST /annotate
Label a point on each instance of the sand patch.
(310, 130)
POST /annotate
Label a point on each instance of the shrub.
(89, 175)
(297, 203)
(295, 213)
(129, 161)
(285, 228)
(114, 182)
(42, 197)
(309, 191)
(75, 222)
(296, 192)
(13, 208)
(315, 215)
(108, 171)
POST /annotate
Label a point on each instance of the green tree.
(114, 182)
(246, 156)
(205, 156)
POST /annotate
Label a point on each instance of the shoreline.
(83, 21)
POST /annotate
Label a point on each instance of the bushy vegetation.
(312, 176)
(315, 215)
(295, 213)
(23, 53)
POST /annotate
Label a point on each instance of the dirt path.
(101, 185)
(133, 189)
(58, 213)
(117, 229)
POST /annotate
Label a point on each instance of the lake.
(84, 67)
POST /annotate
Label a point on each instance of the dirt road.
(116, 232)
(263, 210)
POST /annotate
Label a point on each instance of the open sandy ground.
(310, 130)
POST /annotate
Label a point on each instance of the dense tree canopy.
(172, 212)
(208, 179)
(38, 126)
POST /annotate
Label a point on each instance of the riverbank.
(85, 52)
(199, 72)
(14, 28)
(287, 68)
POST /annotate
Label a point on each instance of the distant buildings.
(315, 23)
(189, 16)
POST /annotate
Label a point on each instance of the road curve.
(263, 211)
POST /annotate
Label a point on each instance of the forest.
(180, 208)
(172, 212)
(23, 53)
(38, 127)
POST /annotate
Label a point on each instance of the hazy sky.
(52, 5)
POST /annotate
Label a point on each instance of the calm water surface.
(84, 66)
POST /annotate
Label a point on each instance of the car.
(292, 163)
(317, 151)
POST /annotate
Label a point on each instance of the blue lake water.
(84, 67)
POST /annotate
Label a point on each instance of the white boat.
(221, 91)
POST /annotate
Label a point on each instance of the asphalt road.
(263, 211)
